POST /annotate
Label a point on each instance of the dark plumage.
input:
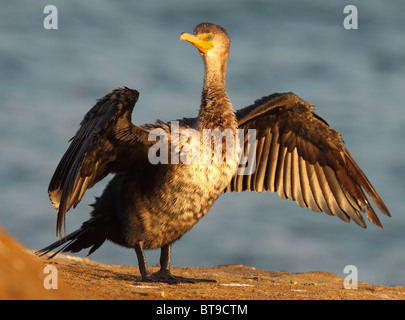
(148, 206)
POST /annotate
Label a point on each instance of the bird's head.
(209, 39)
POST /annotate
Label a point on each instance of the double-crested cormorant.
(150, 205)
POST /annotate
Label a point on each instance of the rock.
(93, 280)
(22, 275)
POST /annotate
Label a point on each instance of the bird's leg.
(143, 268)
(164, 274)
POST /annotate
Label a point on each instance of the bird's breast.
(185, 193)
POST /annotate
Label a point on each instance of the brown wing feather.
(299, 156)
(99, 147)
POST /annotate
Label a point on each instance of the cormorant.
(149, 204)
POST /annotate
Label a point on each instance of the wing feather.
(307, 193)
(299, 156)
(272, 162)
(262, 154)
(296, 180)
(103, 144)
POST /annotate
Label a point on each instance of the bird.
(151, 203)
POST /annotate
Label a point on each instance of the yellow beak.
(201, 42)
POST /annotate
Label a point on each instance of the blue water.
(355, 78)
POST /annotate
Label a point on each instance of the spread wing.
(299, 156)
(106, 142)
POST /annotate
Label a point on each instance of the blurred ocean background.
(355, 78)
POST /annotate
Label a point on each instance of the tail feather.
(89, 235)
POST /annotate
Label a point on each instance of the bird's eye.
(209, 37)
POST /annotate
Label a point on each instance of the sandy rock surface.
(22, 277)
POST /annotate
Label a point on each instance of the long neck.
(214, 72)
(216, 108)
